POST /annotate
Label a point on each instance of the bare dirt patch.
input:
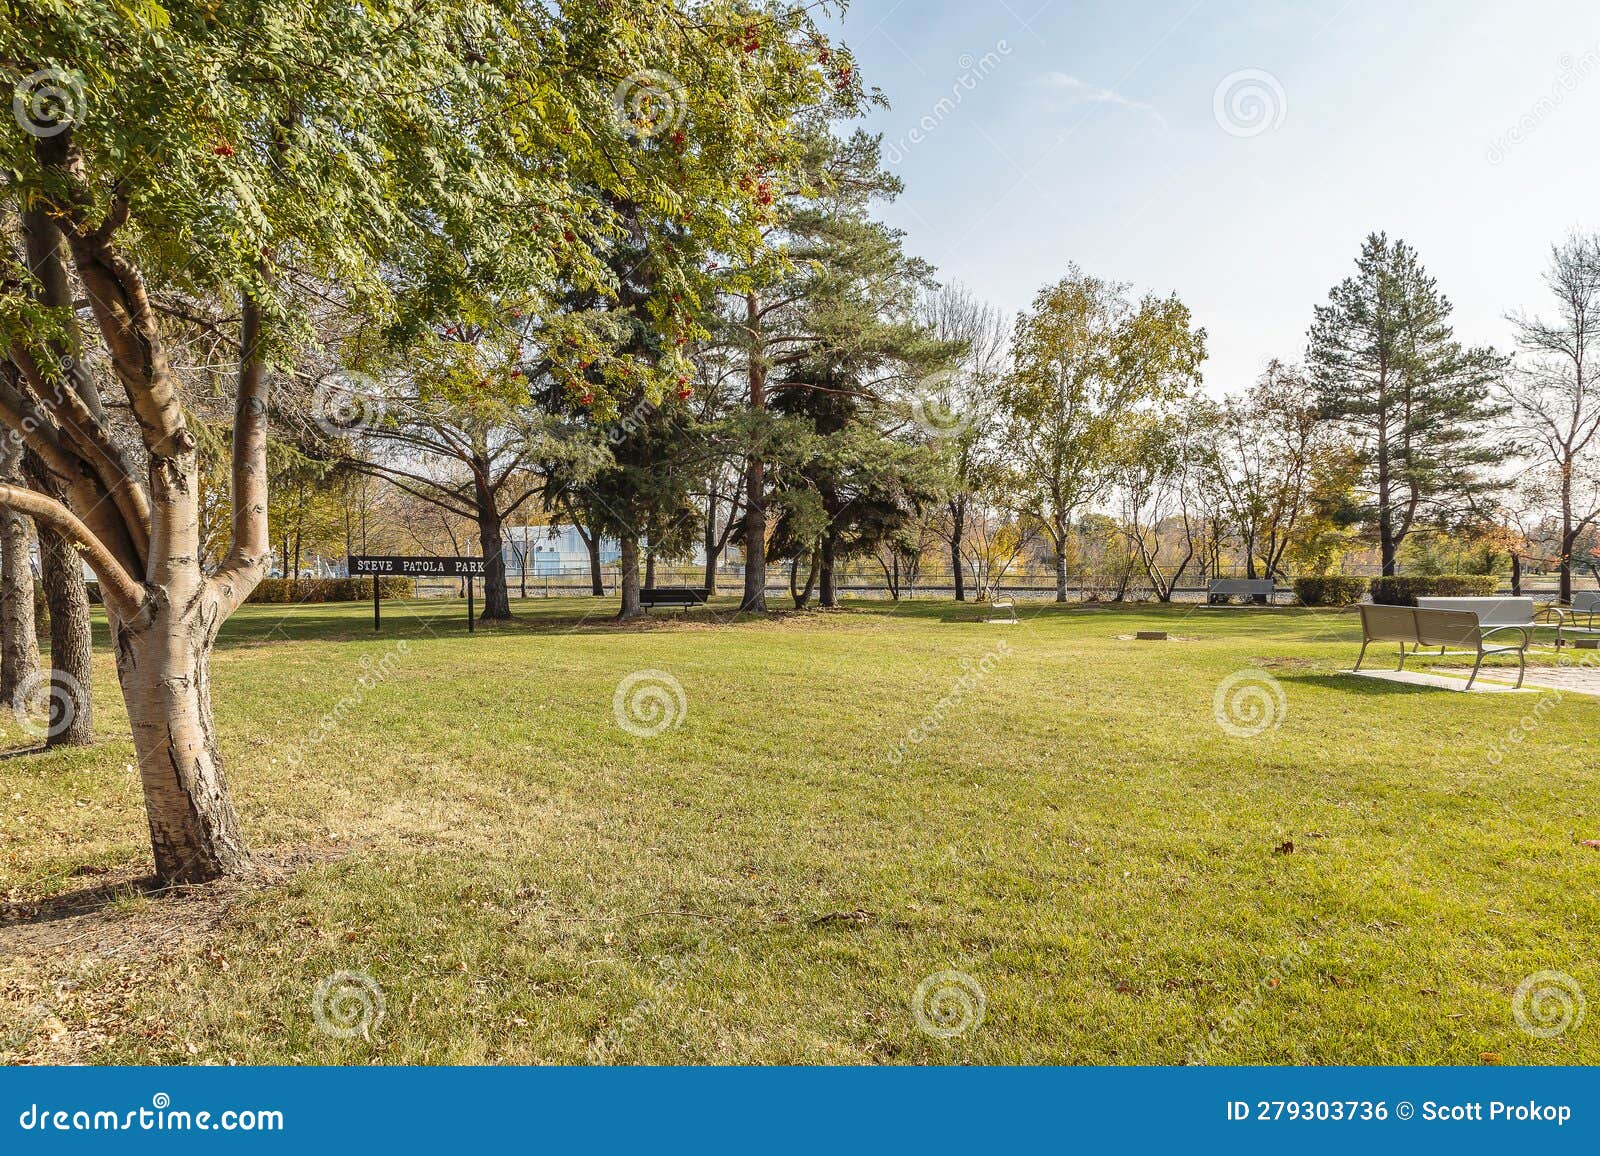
(1289, 663)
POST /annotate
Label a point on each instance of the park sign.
(416, 567)
(382, 566)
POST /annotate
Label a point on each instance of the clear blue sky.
(1094, 132)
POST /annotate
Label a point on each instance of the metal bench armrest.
(1526, 629)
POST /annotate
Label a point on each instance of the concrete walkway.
(1442, 681)
(1571, 679)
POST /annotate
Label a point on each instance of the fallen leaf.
(1489, 1057)
(1286, 849)
(1594, 843)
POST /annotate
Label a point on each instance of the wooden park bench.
(1219, 590)
(685, 598)
(1460, 629)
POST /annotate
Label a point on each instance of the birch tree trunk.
(19, 641)
(163, 665)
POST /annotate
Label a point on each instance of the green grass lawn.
(771, 879)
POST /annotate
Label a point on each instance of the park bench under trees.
(999, 606)
(1446, 629)
(1576, 621)
(685, 598)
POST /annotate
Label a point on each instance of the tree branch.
(123, 596)
(246, 560)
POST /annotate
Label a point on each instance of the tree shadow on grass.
(132, 913)
(71, 904)
(415, 620)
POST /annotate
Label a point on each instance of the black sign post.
(401, 566)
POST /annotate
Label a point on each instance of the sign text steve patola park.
(409, 567)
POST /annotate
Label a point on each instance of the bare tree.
(1261, 464)
(1157, 488)
(1555, 410)
(959, 407)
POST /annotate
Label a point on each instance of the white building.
(552, 550)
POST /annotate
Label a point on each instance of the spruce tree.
(1388, 367)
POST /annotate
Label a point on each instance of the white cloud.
(1082, 92)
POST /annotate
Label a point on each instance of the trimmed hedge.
(285, 590)
(1329, 590)
(1404, 591)
(281, 590)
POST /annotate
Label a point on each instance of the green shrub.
(297, 590)
(1404, 591)
(1329, 590)
(287, 590)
